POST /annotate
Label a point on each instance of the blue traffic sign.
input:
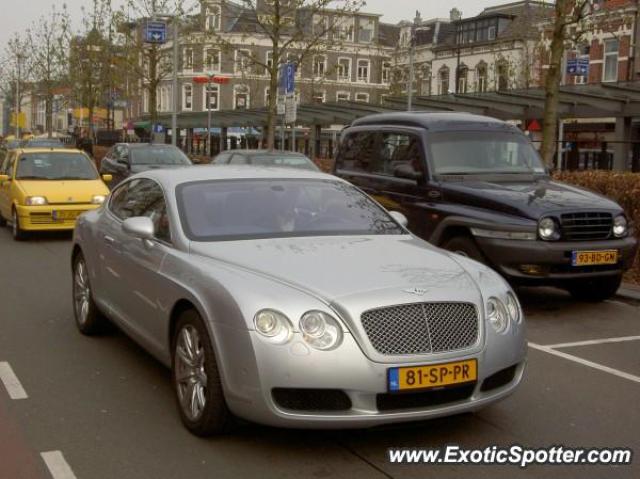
(155, 32)
(158, 128)
(578, 66)
(288, 78)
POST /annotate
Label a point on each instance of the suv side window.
(142, 197)
(399, 150)
(358, 152)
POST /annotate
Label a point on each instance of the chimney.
(455, 15)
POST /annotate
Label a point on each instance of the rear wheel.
(89, 319)
(196, 379)
(3, 222)
(464, 246)
(594, 290)
(18, 233)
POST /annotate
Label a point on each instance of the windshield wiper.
(32, 178)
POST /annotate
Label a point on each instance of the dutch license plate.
(589, 258)
(433, 376)
(66, 215)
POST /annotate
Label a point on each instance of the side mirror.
(4, 178)
(139, 227)
(107, 178)
(405, 170)
(399, 218)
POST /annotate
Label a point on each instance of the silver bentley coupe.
(290, 298)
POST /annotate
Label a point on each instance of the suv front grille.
(421, 328)
(586, 226)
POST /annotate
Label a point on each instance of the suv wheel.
(464, 246)
(596, 289)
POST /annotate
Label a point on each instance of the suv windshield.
(158, 155)
(476, 153)
(252, 209)
(55, 166)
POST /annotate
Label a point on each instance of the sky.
(19, 14)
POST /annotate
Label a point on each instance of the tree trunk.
(153, 86)
(49, 115)
(552, 86)
(272, 110)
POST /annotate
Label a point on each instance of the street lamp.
(208, 80)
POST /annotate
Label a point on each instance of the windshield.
(287, 161)
(158, 155)
(43, 144)
(55, 166)
(252, 209)
(476, 153)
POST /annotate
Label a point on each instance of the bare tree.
(49, 43)
(296, 31)
(16, 71)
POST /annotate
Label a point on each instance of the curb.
(629, 291)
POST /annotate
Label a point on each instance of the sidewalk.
(629, 291)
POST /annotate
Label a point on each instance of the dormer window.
(212, 18)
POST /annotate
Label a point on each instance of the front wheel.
(196, 379)
(595, 290)
(18, 233)
(464, 246)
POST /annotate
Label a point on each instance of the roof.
(40, 149)
(275, 153)
(174, 177)
(435, 121)
(145, 145)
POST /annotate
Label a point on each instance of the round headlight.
(513, 308)
(35, 200)
(548, 229)
(273, 325)
(497, 315)
(320, 330)
(620, 226)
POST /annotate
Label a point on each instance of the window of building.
(386, 72)
(319, 66)
(462, 79)
(211, 96)
(481, 77)
(187, 96)
(362, 97)
(212, 15)
(320, 26)
(365, 30)
(344, 28)
(502, 74)
(343, 96)
(363, 71)
(344, 69)
(267, 95)
(188, 58)
(243, 61)
(443, 81)
(212, 60)
(319, 96)
(241, 97)
(611, 48)
(145, 100)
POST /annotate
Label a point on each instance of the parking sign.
(155, 32)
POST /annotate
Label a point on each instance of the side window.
(400, 151)
(239, 160)
(222, 159)
(142, 198)
(358, 152)
(9, 161)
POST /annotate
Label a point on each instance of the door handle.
(109, 239)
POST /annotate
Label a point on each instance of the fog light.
(532, 269)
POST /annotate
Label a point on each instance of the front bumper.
(250, 380)
(42, 218)
(553, 258)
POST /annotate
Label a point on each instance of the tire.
(465, 246)
(17, 233)
(595, 290)
(89, 320)
(3, 222)
(196, 379)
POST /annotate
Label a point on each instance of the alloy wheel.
(190, 374)
(82, 292)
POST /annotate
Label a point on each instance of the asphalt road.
(103, 408)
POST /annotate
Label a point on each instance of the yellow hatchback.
(43, 189)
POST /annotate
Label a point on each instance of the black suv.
(476, 186)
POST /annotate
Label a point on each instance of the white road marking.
(57, 465)
(586, 362)
(593, 342)
(11, 382)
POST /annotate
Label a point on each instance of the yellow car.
(45, 189)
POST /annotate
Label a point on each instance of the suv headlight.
(548, 229)
(620, 226)
(98, 199)
(35, 201)
(320, 330)
(497, 315)
(273, 325)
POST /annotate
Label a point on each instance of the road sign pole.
(208, 97)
